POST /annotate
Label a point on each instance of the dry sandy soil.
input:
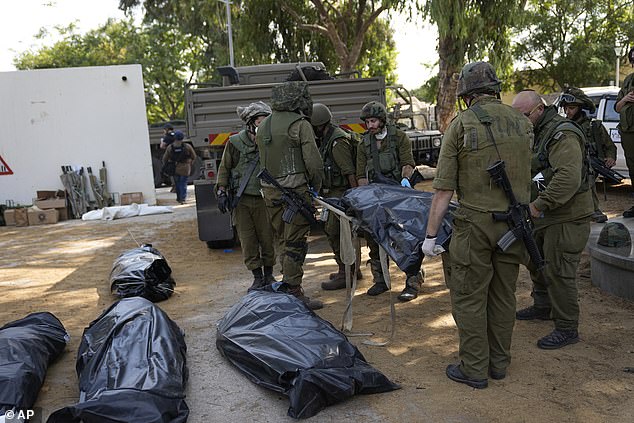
(64, 269)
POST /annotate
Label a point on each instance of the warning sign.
(4, 168)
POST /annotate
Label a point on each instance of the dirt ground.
(64, 269)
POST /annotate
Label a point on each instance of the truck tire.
(195, 173)
(157, 165)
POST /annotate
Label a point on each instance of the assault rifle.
(517, 217)
(293, 201)
(608, 174)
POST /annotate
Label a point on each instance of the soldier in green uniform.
(482, 278)
(561, 213)
(599, 143)
(288, 151)
(625, 107)
(240, 160)
(338, 152)
(385, 153)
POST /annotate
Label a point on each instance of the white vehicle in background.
(605, 98)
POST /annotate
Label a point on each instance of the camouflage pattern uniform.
(480, 277)
(288, 150)
(566, 203)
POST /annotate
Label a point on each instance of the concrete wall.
(78, 117)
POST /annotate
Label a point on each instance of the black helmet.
(374, 109)
(576, 97)
(477, 77)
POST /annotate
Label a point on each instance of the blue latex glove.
(405, 183)
(312, 192)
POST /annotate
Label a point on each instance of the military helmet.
(576, 97)
(253, 110)
(321, 115)
(374, 109)
(614, 234)
(292, 96)
(477, 77)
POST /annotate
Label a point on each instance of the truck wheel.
(156, 171)
(197, 166)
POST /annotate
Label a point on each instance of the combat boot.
(258, 279)
(533, 313)
(599, 217)
(412, 286)
(268, 275)
(338, 282)
(298, 292)
(558, 338)
(379, 286)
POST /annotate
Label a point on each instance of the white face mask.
(381, 134)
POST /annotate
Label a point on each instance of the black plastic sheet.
(131, 366)
(27, 347)
(142, 272)
(279, 344)
(396, 218)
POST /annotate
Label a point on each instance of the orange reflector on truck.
(354, 127)
(220, 139)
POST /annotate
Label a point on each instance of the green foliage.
(571, 42)
(427, 91)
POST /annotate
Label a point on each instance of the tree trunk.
(451, 54)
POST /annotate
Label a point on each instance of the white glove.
(430, 248)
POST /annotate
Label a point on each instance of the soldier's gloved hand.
(430, 248)
(223, 202)
(405, 183)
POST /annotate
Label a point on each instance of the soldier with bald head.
(561, 213)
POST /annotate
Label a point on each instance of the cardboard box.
(63, 214)
(50, 199)
(128, 198)
(42, 217)
(9, 217)
(21, 217)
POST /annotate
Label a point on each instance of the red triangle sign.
(4, 168)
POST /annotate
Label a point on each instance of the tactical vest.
(333, 178)
(389, 160)
(552, 132)
(512, 135)
(279, 153)
(248, 153)
(179, 153)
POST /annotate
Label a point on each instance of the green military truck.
(211, 119)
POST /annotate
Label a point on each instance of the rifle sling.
(375, 156)
(245, 180)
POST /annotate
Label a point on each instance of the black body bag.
(142, 272)
(131, 367)
(396, 218)
(27, 347)
(279, 344)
